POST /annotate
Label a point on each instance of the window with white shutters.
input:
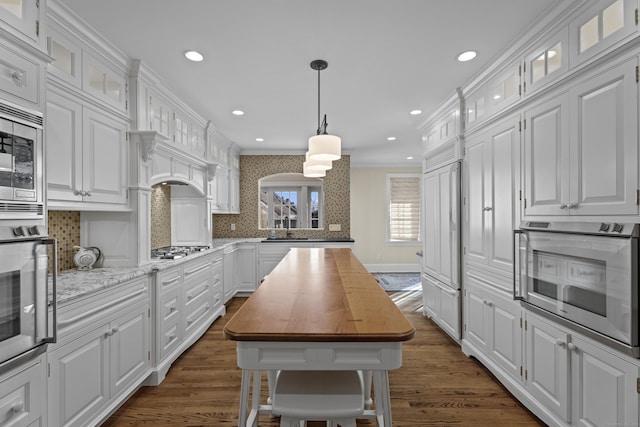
(403, 201)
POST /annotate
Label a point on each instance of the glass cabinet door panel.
(612, 19)
(14, 7)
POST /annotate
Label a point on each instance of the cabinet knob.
(487, 208)
(572, 205)
(571, 346)
(17, 76)
(561, 343)
(115, 330)
(77, 193)
(18, 407)
(563, 206)
(87, 193)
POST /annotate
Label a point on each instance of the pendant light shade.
(323, 146)
(312, 173)
(312, 164)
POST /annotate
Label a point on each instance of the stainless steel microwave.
(583, 274)
(21, 163)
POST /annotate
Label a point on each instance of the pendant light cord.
(318, 130)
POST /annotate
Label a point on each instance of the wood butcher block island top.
(323, 295)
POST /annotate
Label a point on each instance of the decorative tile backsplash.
(252, 168)
(160, 216)
(64, 226)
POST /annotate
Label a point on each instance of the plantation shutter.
(404, 208)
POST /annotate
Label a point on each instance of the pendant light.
(323, 146)
(321, 165)
(312, 173)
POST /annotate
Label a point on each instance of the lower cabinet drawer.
(21, 400)
(196, 316)
(169, 339)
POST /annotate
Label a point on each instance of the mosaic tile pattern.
(160, 216)
(64, 226)
(252, 168)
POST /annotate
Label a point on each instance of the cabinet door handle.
(487, 209)
(571, 346)
(563, 206)
(572, 205)
(561, 343)
(77, 193)
(87, 193)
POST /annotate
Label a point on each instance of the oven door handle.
(52, 327)
(516, 265)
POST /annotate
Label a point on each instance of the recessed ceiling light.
(194, 56)
(391, 138)
(467, 56)
(415, 112)
(259, 139)
(237, 113)
(410, 158)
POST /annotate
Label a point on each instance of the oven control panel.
(599, 228)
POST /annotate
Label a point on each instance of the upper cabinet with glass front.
(548, 61)
(103, 82)
(25, 17)
(601, 27)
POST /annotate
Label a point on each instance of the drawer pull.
(172, 309)
(18, 407)
(17, 76)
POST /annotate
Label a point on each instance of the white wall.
(368, 222)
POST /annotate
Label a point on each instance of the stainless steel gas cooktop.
(175, 252)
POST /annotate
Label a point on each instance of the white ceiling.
(386, 58)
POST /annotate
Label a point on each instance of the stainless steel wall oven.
(585, 275)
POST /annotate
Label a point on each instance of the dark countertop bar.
(306, 239)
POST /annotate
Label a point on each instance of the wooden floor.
(437, 384)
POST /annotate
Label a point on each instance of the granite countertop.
(72, 284)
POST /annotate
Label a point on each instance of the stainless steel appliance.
(585, 275)
(27, 297)
(21, 163)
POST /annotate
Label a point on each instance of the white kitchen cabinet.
(234, 191)
(102, 354)
(230, 271)
(220, 204)
(168, 310)
(87, 162)
(19, 76)
(492, 325)
(197, 297)
(188, 299)
(246, 267)
(580, 380)
(546, 62)
(601, 26)
(22, 18)
(23, 398)
(442, 304)
(547, 365)
(581, 147)
(217, 281)
(491, 206)
(160, 115)
(546, 151)
(603, 386)
(181, 132)
(104, 82)
(441, 250)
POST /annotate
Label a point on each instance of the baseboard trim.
(393, 268)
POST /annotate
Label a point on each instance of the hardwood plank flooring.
(437, 384)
